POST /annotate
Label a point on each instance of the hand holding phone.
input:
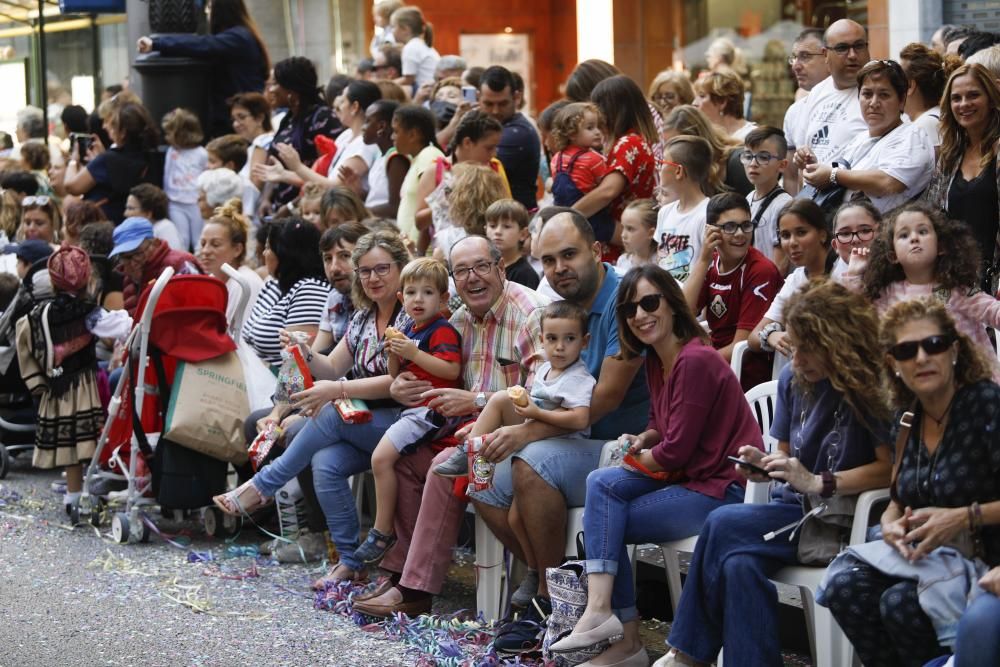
(469, 94)
(752, 467)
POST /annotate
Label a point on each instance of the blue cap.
(130, 234)
(30, 250)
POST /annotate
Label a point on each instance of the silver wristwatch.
(765, 333)
(480, 401)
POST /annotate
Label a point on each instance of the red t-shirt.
(632, 157)
(440, 339)
(588, 170)
(738, 300)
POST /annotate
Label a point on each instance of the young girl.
(186, 159)
(56, 352)
(638, 230)
(417, 37)
(805, 240)
(339, 205)
(309, 204)
(414, 134)
(577, 168)
(921, 253)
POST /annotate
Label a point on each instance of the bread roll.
(393, 332)
(518, 395)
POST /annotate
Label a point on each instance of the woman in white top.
(353, 158)
(419, 56)
(250, 114)
(224, 241)
(927, 72)
(719, 95)
(894, 161)
(385, 178)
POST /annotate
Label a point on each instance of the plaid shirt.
(503, 347)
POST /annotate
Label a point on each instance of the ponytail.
(429, 33)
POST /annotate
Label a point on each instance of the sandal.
(357, 576)
(374, 547)
(244, 499)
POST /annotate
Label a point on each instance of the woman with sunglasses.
(680, 472)
(357, 367)
(890, 164)
(944, 517)
(40, 219)
(831, 426)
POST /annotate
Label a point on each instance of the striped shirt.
(302, 305)
(503, 347)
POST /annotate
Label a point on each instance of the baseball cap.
(30, 250)
(130, 234)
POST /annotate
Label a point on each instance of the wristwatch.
(480, 400)
(833, 176)
(765, 333)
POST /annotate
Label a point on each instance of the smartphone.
(82, 141)
(469, 94)
(752, 467)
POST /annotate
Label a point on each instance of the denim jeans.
(978, 641)
(336, 451)
(728, 601)
(625, 507)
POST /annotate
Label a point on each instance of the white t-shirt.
(765, 238)
(905, 153)
(166, 229)
(832, 118)
(378, 181)
(742, 133)
(679, 237)
(254, 281)
(793, 125)
(354, 146)
(420, 60)
(795, 280)
(572, 389)
(930, 122)
(250, 191)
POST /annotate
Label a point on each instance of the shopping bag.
(207, 408)
(260, 381)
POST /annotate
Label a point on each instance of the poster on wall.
(14, 84)
(511, 50)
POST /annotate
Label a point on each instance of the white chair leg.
(672, 563)
(829, 643)
(489, 572)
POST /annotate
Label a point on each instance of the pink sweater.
(702, 416)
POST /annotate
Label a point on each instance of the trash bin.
(171, 82)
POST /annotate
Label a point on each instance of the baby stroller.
(183, 319)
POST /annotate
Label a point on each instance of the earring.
(897, 373)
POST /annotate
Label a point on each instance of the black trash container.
(171, 82)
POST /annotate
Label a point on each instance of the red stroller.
(183, 318)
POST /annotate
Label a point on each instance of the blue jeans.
(728, 601)
(625, 507)
(978, 641)
(336, 451)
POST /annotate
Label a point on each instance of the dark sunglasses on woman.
(648, 303)
(932, 345)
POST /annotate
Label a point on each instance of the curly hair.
(230, 216)
(567, 123)
(473, 189)
(474, 126)
(957, 264)
(10, 213)
(970, 366)
(387, 240)
(840, 327)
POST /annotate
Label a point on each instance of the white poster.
(14, 84)
(512, 51)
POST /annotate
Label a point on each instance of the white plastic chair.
(741, 348)
(762, 400)
(491, 559)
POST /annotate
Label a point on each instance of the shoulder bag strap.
(905, 424)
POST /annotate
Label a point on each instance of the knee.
(525, 478)
(742, 568)
(384, 459)
(895, 601)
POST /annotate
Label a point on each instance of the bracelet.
(833, 176)
(343, 391)
(765, 333)
(829, 484)
(975, 517)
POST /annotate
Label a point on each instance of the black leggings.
(882, 617)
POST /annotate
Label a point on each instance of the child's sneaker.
(457, 465)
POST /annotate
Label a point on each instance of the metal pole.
(95, 52)
(43, 79)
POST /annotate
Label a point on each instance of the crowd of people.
(430, 247)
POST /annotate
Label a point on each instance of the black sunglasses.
(932, 345)
(648, 303)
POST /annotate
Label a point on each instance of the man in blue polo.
(550, 473)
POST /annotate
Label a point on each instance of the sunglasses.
(648, 303)
(35, 200)
(932, 345)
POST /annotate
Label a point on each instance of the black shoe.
(525, 635)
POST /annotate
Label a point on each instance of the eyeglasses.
(863, 234)
(668, 163)
(648, 303)
(660, 98)
(746, 226)
(380, 270)
(35, 200)
(843, 48)
(240, 117)
(481, 269)
(802, 57)
(763, 158)
(932, 345)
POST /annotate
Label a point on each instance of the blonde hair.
(385, 8)
(389, 241)
(10, 213)
(425, 269)
(51, 209)
(230, 215)
(676, 80)
(312, 191)
(181, 128)
(568, 120)
(508, 209)
(725, 88)
(392, 91)
(474, 187)
(687, 119)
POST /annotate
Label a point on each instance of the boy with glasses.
(733, 282)
(763, 159)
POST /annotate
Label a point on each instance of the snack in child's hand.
(518, 395)
(393, 332)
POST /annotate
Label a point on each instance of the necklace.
(944, 415)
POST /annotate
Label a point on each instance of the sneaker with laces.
(457, 465)
(526, 590)
(525, 634)
(311, 546)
